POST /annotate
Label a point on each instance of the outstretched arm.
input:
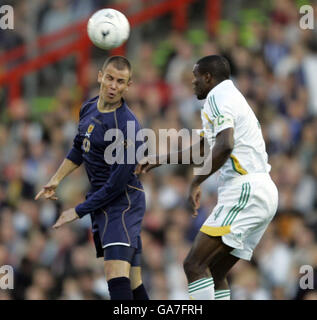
(152, 162)
(63, 171)
(120, 174)
(73, 161)
(116, 184)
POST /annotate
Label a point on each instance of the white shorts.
(245, 208)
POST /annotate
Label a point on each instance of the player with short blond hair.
(116, 200)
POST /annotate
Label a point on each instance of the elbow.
(226, 146)
(226, 150)
(225, 142)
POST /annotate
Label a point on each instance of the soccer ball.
(108, 28)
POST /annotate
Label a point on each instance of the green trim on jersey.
(212, 108)
(215, 105)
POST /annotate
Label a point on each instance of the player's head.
(114, 78)
(208, 72)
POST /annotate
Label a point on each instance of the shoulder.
(224, 99)
(215, 104)
(127, 115)
(86, 105)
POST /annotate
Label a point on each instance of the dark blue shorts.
(119, 226)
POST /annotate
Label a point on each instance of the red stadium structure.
(79, 45)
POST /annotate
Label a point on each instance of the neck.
(218, 82)
(104, 106)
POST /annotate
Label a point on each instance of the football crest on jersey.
(89, 130)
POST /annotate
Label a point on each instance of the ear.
(129, 84)
(100, 74)
(208, 77)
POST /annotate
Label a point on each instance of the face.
(113, 83)
(201, 83)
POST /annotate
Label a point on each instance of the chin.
(111, 100)
(201, 96)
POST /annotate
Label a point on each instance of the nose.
(113, 85)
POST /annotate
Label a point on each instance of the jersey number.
(86, 145)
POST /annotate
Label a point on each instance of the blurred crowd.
(39, 17)
(276, 71)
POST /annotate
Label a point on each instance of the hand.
(48, 191)
(147, 164)
(194, 199)
(67, 216)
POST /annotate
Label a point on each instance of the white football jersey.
(225, 107)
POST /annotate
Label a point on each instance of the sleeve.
(75, 153)
(207, 126)
(120, 174)
(222, 114)
(200, 132)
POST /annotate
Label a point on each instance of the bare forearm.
(187, 155)
(64, 170)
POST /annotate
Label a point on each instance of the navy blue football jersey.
(108, 180)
